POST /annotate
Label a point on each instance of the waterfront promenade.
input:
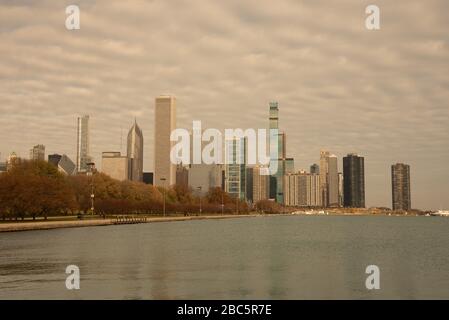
(45, 225)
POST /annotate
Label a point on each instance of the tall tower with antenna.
(135, 153)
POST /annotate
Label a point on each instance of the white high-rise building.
(332, 181)
(261, 187)
(324, 155)
(165, 123)
(37, 152)
(302, 189)
(83, 144)
(235, 167)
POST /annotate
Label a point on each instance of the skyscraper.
(354, 181)
(260, 183)
(83, 144)
(274, 125)
(66, 165)
(302, 189)
(400, 185)
(313, 190)
(332, 181)
(54, 159)
(135, 153)
(37, 152)
(315, 169)
(284, 165)
(203, 177)
(295, 189)
(235, 167)
(182, 176)
(165, 123)
(249, 196)
(324, 155)
(340, 189)
(12, 160)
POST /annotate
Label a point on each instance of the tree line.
(32, 189)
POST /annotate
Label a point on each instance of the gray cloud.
(383, 94)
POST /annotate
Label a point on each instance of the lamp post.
(91, 167)
(163, 186)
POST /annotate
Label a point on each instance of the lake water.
(284, 257)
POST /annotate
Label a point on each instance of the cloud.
(341, 87)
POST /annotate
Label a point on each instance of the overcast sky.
(383, 94)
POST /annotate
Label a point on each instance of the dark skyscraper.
(54, 159)
(135, 153)
(249, 184)
(315, 169)
(354, 181)
(182, 176)
(400, 184)
(148, 177)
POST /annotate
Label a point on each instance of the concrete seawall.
(46, 225)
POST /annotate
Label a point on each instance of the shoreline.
(98, 222)
(48, 225)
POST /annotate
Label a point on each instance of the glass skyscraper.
(135, 153)
(354, 181)
(400, 184)
(284, 165)
(83, 144)
(235, 167)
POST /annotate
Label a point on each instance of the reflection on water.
(297, 257)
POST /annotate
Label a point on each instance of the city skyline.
(340, 87)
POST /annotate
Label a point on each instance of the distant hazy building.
(2, 166)
(12, 160)
(182, 176)
(332, 181)
(235, 167)
(313, 190)
(204, 176)
(400, 183)
(284, 165)
(64, 164)
(165, 122)
(324, 155)
(260, 183)
(83, 144)
(135, 153)
(37, 152)
(340, 189)
(148, 178)
(54, 159)
(295, 189)
(315, 169)
(115, 165)
(249, 196)
(354, 181)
